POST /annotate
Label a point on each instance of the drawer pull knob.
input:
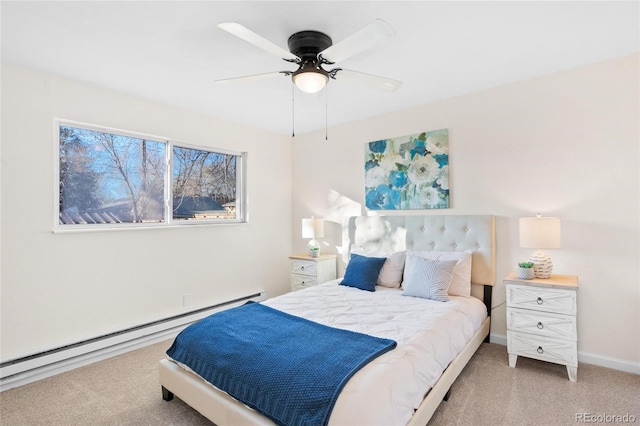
(302, 268)
(540, 349)
(540, 326)
(539, 301)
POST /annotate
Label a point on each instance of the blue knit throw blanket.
(286, 367)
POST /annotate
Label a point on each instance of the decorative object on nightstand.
(525, 270)
(540, 233)
(307, 271)
(541, 320)
(313, 228)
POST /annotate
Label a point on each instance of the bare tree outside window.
(204, 184)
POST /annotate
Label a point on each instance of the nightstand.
(541, 320)
(307, 271)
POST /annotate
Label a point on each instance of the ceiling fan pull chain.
(293, 111)
(326, 113)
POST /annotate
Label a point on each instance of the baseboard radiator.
(20, 371)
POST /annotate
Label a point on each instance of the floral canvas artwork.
(408, 172)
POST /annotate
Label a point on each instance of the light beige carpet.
(124, 390)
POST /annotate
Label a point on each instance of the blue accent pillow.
(362, 272)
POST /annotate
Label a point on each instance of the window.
(115, 179)
(203, 184)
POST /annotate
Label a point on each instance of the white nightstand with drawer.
(307, 271)
(541, 320)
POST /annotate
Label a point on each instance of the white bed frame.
(388, 233)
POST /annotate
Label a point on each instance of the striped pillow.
(427, 278)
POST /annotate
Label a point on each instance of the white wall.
(565, 145)
(57, 289)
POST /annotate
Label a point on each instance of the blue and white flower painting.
(408, 172)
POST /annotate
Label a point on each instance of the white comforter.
(429, 334)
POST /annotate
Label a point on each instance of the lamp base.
(542, 266)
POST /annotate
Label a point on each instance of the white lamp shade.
(540, 232)
(310, 82)
(312, 228)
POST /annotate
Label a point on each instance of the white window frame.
(241, 200)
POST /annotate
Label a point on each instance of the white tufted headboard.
(423, 233)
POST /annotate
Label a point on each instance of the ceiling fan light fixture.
(310, 80)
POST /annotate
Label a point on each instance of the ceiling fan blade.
(368, 80)
(359, 41)
(246, 34)
(253, 77)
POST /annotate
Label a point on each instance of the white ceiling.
(172, 52)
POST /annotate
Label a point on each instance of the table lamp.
(540, 233)
(313, 228)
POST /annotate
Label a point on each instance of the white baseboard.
(609, 362)
(498, 338)
(30, 369)
(587, 358)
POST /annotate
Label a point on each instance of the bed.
(413, 401)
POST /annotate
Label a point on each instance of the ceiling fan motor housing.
(307, 44)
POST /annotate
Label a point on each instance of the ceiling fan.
(312, 50)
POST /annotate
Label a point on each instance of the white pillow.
(461, 282)
(427, 278)
(391, 272)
